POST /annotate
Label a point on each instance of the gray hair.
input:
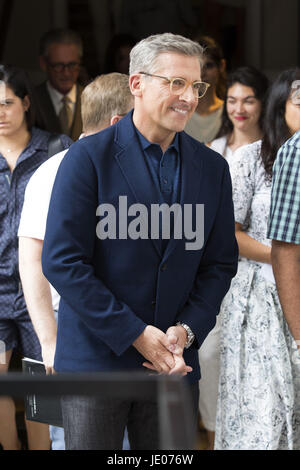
(144, 54)
(60, 36)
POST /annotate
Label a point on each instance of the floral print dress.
(259, 386)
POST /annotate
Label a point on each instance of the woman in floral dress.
(259, 388)
(242, 120)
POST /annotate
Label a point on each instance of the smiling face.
(158, 113)
(243, 108)
(12, 112)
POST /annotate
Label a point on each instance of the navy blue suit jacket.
(111, 289)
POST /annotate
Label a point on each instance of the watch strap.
(190, 334)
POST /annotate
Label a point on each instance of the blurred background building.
(262, 33)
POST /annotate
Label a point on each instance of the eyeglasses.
(60, 66)
(179, 85)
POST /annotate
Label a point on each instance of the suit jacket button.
(153, 303)
(163, 267)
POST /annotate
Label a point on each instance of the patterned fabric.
(284, 221)
(259, 388)
(209, 353)
(220, 145)
(19, 332)
(12, 188)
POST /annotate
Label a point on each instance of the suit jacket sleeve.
(68, 254)
(218, 266)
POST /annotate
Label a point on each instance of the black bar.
(171, 392)
(110, 384)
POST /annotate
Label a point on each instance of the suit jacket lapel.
(46, 111)
(134, 168)
(49, 117)
(191, 176)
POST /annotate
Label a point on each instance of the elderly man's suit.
(47, 118)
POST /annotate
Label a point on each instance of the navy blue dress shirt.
(164, 169)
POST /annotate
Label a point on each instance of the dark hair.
(253, 78)
(115, 44)
(17, 79)
(214, 51)
(62, 36)
(276, 131)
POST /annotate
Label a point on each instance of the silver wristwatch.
(190, 334)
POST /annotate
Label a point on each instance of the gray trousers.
(94, 423)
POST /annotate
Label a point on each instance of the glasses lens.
(178, 86)
(200, 88)
(71, 66)
(57, 67)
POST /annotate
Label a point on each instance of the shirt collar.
(57, 96)
(146, 144)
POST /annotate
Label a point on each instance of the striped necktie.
(65, 115)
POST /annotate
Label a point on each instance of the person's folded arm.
(251, 248)
(38, 298)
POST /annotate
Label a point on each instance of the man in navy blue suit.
(140, 245)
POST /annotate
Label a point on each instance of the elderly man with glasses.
(136, 293)
(58, 98)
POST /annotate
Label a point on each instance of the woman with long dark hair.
(258, 405)
(23, 148)
(241, 125)
(283, 111)
(243, 114)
